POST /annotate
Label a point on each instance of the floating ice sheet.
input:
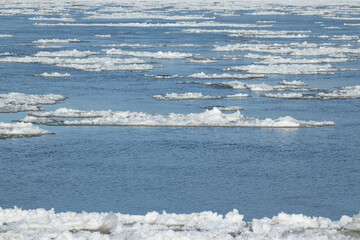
(20, 102)
(185, 96)
(51, 41)
(53, 74)
(209, 118)
(67, 53)
(10, 130)
(288, 69)
(44, 224)
(158, 55)
(91, 64)
(6, 36)
(351, 92)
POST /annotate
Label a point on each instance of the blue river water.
(260, 172)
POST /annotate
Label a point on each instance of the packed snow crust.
(47, 224)
(209, 118)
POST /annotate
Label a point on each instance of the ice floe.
(61, 19)
(157, 55)
(292, 83)
(21, 129)
(20, 102)
(53, 74)
(6, 36)
(102, 35)
(238, 95)
(222, 108)
(203, 75)
(185, 96)
(209, 118)
(288, 69)
(350, 92)
(47, 224)
(67, 53)
(51, 41)
(91, 64)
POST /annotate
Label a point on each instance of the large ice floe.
(47, 224)
(21, 129)
(91, 64)
(158, 55)
(20, 102)
(350, 92)
(209, 118)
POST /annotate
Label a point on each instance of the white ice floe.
(157, 55)
(209, 118)
(68, 53)
(91, 64)
(292, 83)
(269, 59)
(203, 61)
(203, 75)
(293, 49)
(288, 69)
(6, 36)
(48, 46)
(54, 74)
(185, 96)
(51, 41)
(20, 102)
(10, 130)
(47, 224)
(239, 95)
(226, 109)
(61, 19)
(345, 37)
(351, 92)
(7, 54)
(102, 35)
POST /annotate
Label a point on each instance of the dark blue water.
(260, 172)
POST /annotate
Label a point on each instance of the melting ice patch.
(67, 53)
(350, 92)
(10, 130)
(288, 69)
(43, 224)
(158, 55)
(92, 64)
(51, 41)
(54, 74)
(20, 102)
(185, 96)
(209, 118)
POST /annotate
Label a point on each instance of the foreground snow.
(209, 118)
(43, 224)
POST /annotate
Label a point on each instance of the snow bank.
(209, 118)
(9, 130)
(46, 224)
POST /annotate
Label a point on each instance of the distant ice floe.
(202, 61)
(292, 83)
(91, 64)
(102, 35)
(42, 224)
(226, 109)
(238, 95)
(68, 53)
(351, 92)
(157, 55)
(61, 19)
(51, 41)
(203, 75)
(209, 118)
(269, 59)
(11, 130)
(185, 96)
(6, 36)
(288, 69)
(293, 49)
(54, 74)
(20, 102)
